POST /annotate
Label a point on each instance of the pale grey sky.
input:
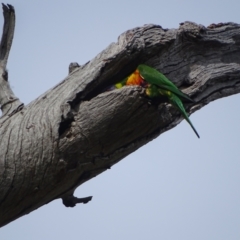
(175, 187)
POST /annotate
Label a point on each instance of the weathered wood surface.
(75, 131)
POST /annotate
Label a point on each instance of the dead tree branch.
(8, 101)
(75, 131)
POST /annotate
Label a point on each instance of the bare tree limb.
(76, 130)
(8, 32)
(10, 104)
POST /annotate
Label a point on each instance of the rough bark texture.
(76, 131)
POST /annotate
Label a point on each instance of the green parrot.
(158, 85)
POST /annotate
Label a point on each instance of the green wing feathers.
(157, 85)
(153, 76)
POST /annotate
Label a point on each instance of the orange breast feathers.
(135, 79)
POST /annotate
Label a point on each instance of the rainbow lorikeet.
(158, 85)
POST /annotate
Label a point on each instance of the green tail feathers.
(175, 101)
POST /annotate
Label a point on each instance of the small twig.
(10, 104)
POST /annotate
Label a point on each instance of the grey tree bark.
(77, 130)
